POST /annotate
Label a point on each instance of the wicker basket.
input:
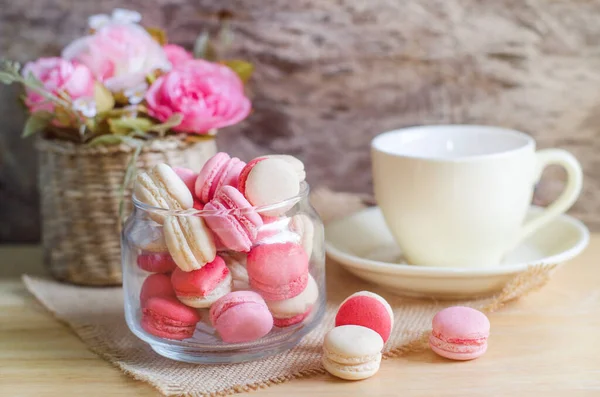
(80, 195)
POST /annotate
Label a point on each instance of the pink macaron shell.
(201, 282)
(245, 172)
(198, 205)
(279, 271)
(156, 285)
(279, 292)
(286, 322)
(208, 174)
(243, 211)
(241, 316)
(156, 262)
(231, 174)
(166, 317)
(188, 177)
(234, 221)
(365, 311)
(461, 324)
(228, 231)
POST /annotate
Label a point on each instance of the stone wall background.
(332, 74)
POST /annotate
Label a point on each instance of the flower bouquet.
(118, 98)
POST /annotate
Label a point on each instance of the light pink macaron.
(459, 333)
(233, 220)
(220, 170)
(241, 316)
(278, 271)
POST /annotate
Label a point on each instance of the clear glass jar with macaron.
(224, 265)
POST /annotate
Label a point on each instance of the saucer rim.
(352, 260)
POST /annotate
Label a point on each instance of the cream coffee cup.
(457, 195)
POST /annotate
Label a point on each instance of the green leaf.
(6, 78)
(171, 122)
(36, 123)
(203, 48)
(242, 68)
(33, 81)
(106, 140)
(103, 98)
(226, 36)
(125, 125)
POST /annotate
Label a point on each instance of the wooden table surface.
(547, 344)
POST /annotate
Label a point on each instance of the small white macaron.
(352, 352)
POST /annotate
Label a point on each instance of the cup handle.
(565, 159)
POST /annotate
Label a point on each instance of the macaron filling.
(457, 345)
(350, 360)
(365, 366)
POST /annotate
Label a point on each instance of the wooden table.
(547, 344)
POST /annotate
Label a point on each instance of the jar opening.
(287, 203)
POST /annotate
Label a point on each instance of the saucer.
(363, 245)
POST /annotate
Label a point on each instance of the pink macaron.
(369, 310)
(166, 317)
(241, 316)
(278, 271)
(292, 311)
(201, 288)
(188, 177)
(459, 333)
(233, 220)
(220, 170)
(156, 262)
(156, 285)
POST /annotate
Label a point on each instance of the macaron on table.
(224, 264)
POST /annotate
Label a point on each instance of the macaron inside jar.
(278, 271)
(201, 288)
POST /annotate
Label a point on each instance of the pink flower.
(57, 75)
(208, 95)
(119, 55)
(177, 55)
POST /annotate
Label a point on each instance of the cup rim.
(528, 142)
(264, 209)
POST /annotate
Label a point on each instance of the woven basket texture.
(79, 190)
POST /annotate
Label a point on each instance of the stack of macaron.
(363, 324)
(248, 266)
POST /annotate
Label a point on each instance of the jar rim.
(302, 194)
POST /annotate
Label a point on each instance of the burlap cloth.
(96, 316)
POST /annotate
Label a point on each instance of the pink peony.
(177, 54)
(119, 55)
(208, 95)
(57, 75)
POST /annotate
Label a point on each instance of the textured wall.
(332, 74)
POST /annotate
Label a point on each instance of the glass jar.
(293, 221)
